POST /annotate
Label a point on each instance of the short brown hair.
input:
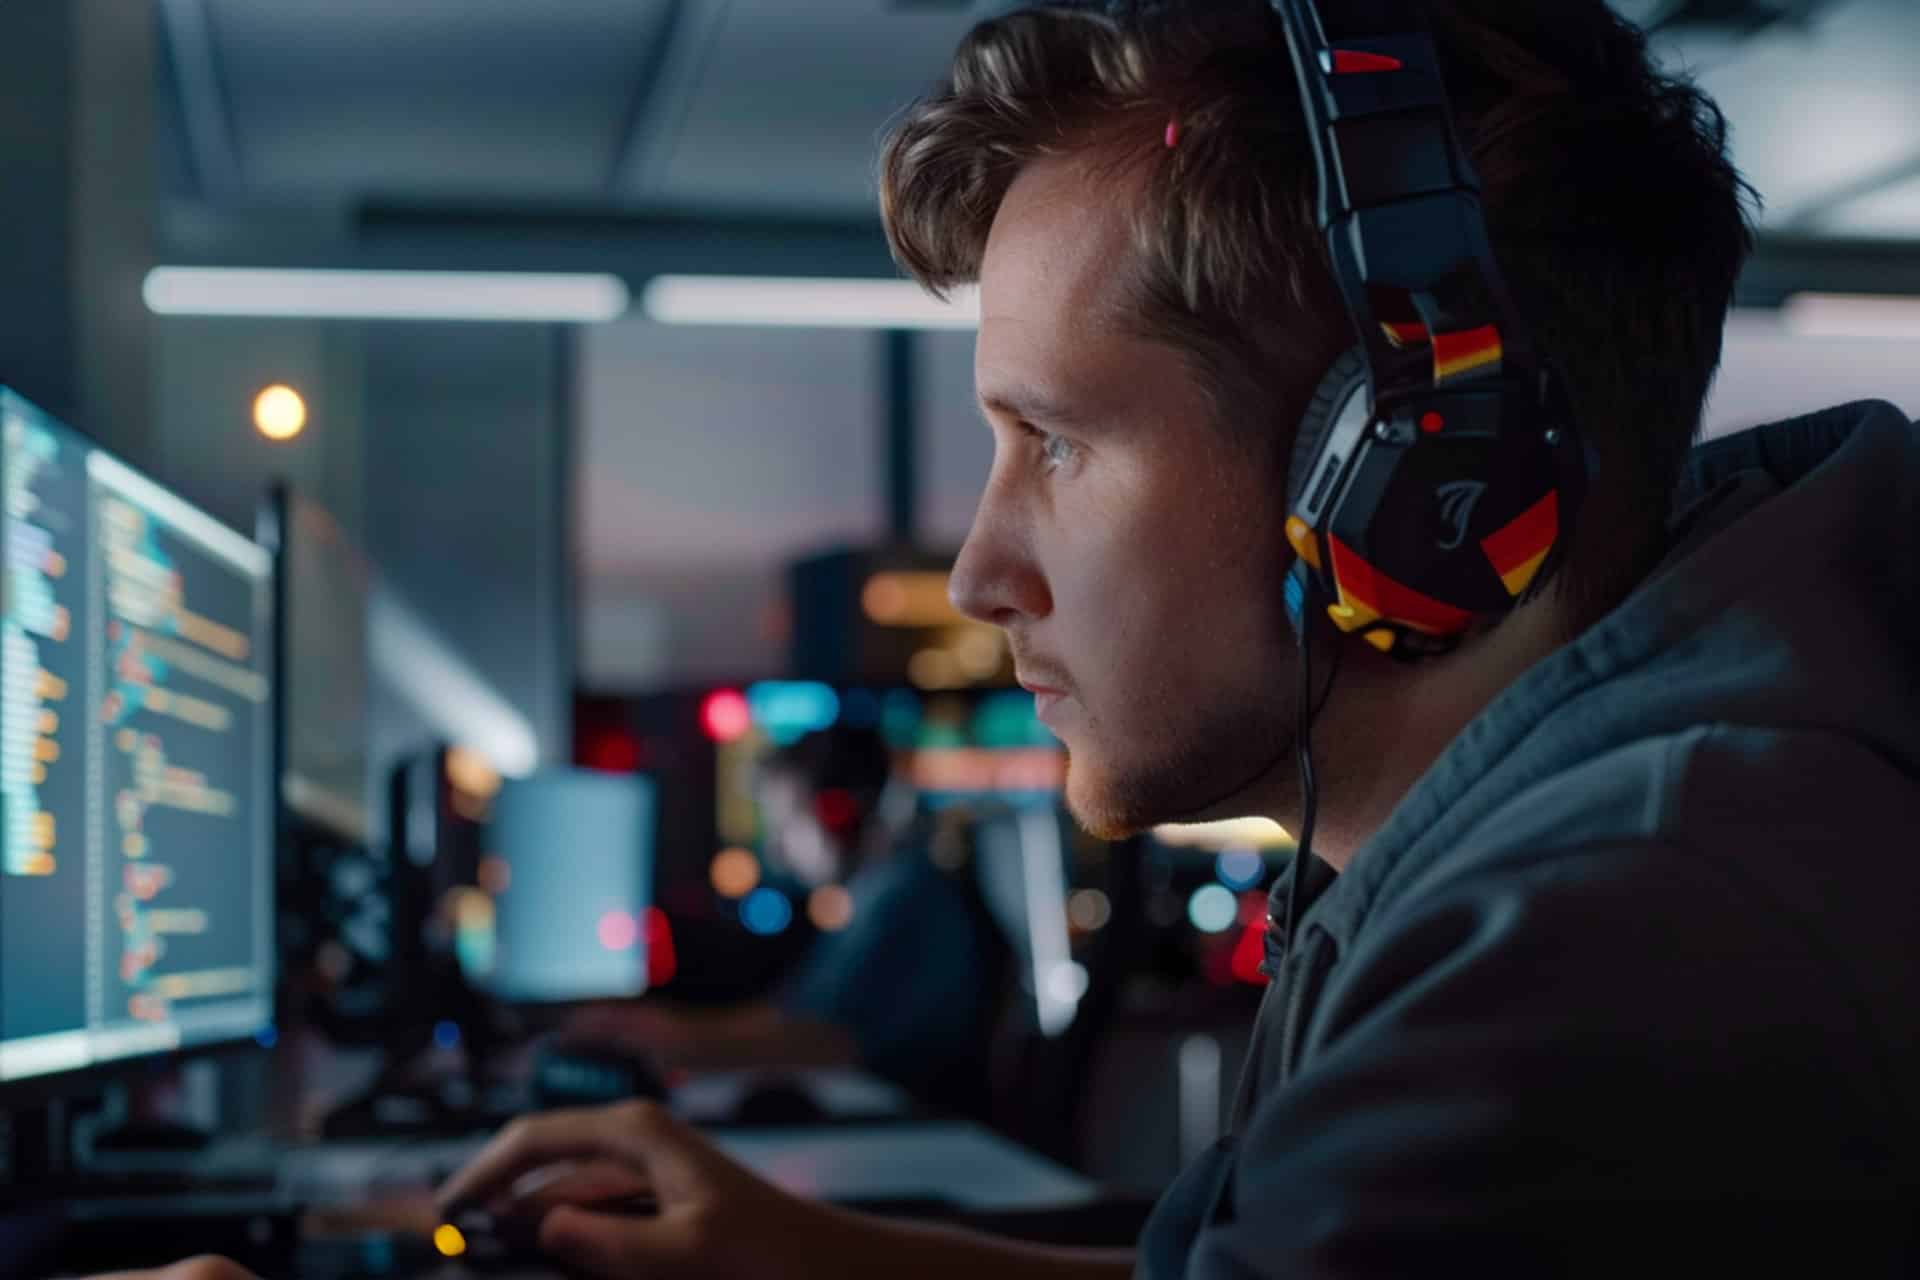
(1611, 203)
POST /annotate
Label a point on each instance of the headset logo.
(1457, 502)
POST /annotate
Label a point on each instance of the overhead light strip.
(1851, 315)
(822, 303)
(386, 295)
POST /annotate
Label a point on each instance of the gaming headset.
(1438, 471)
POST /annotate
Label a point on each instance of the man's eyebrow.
(1026, 404)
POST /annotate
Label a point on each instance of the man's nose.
(995, 579)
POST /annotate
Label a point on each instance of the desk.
(947, 1160)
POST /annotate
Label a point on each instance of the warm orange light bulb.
(279, 412)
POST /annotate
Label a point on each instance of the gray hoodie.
(1632, 975)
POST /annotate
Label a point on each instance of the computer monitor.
(570, 872)
(324, 582)
(136, 807)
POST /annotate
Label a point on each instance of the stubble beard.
(1123, 788)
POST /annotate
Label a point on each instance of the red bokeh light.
(725, 716)
(611, 751)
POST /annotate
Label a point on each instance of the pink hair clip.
(1173, 133)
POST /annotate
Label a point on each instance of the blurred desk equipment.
(838, 1095)
(1067, 971)
(569, 872)
(509, 896)
(136, 859)
(333, 879)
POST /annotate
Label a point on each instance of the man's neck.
(1386, 723)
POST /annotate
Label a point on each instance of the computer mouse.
(778, 1102)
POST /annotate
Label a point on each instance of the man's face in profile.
(1129, 546)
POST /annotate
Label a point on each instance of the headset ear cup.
(1347, 375)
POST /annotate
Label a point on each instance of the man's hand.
(192, 1269)
(714, 1217)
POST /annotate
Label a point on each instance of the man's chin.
(1111, 806)
(1100, 805)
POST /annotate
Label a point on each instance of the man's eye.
(1057, 450)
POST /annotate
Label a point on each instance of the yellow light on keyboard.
(448, 1240)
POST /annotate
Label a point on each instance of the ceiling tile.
(792, 99)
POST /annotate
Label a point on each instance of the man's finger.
(638, 1135)
(600, 1180)
(617, 1247)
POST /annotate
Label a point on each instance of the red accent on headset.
(1432, 423)
(1346, 62)
(1525, 537)
(1394, 600)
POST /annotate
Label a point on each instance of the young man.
(1620, 965)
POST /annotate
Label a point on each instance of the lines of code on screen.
(135, 870)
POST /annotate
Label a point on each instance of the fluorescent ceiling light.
(815, 303)
(385, 295)
(1844, 315)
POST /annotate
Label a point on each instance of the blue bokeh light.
(1239, 867)
(446, 1034)
(766, 911)
(789, 709)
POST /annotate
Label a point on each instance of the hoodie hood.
(1789, 600)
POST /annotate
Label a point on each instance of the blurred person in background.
(901, 979)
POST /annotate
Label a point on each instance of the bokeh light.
(766, 912)
(725, 715)
(735, 873)
(830, 907)
(619, 931)
(1212, 908)
(1239, 867)
(1089, 909)
(279, 412)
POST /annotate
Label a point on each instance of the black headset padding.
(1347, 377)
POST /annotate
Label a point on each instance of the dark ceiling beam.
(635, 247)
(204, 107)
